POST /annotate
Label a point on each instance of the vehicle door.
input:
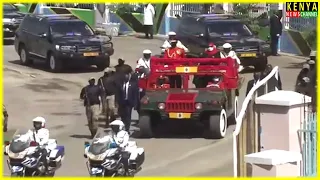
(43, 38)
(198, 38)
(22, 33)
(33, 36)
(40, 38)
(183, 32)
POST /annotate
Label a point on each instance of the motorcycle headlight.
(16, 155)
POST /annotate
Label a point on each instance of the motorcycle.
(106, 159)
(25, 157)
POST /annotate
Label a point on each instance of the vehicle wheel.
(24, 56)
(145, 126)
(103, 65)
(218, 125)
(55, 65)
(233, 118)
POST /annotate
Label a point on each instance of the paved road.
(31, 92)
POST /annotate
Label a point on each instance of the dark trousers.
(274, 45)
(125, 114)
(148, 30)
(175, 81)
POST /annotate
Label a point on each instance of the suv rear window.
(69, 28)
(228, 28)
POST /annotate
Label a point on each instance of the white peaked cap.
(146, 51)
(171, 33)
(227, 45)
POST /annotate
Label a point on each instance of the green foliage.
(123, 8)
(311, 37)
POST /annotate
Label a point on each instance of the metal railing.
(308, 141)
(241, 115)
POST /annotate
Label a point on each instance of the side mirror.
(86, 144)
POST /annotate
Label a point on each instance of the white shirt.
(231, 54)
(144, 63)
(167, 45)
(41, 136)
(125, 88)
(148, 15)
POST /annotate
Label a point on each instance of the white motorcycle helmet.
(39, 122)
(227, 47)
(116, 126)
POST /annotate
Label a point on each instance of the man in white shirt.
(171, 36)
(149, 14)
(227, 52)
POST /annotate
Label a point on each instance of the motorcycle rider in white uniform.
(121, 138)
(166, 44)
(227, 52)
(144, 61)
(41, 136)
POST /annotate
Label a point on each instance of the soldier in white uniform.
(172, 36)
(144, 61)
(227, 52)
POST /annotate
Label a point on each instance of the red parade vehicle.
(212, 99)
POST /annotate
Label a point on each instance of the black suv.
(11, 20)
(61, 40)
(197, 31)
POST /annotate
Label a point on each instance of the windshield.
(68, 28)
(228, 28)
(9, 8)
(98, 147)
(20, 142)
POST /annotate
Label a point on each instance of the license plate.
(180, 115)
(248, 55)
(91, 54)
(186, 69)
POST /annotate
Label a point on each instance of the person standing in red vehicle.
(212, 51)
(174, 52)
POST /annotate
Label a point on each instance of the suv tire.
(103, 64)
(55, 65)
(24, 56)
(218, 125)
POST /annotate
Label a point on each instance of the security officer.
(108, 86)
(91, 94)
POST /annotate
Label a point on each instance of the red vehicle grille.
(179, 107)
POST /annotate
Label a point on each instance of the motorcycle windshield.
(97, 148)
(17, 146)
(20, 141)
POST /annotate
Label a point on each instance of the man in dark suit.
(254, 81)
(273, 83)
(275, 31)
(128, 98)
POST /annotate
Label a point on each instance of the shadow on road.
(68, 70)
(295, 65)
(81, 136)
(172, 130)
(8, 42)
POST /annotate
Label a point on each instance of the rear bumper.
(254, 61)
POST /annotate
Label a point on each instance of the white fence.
(242, 113)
